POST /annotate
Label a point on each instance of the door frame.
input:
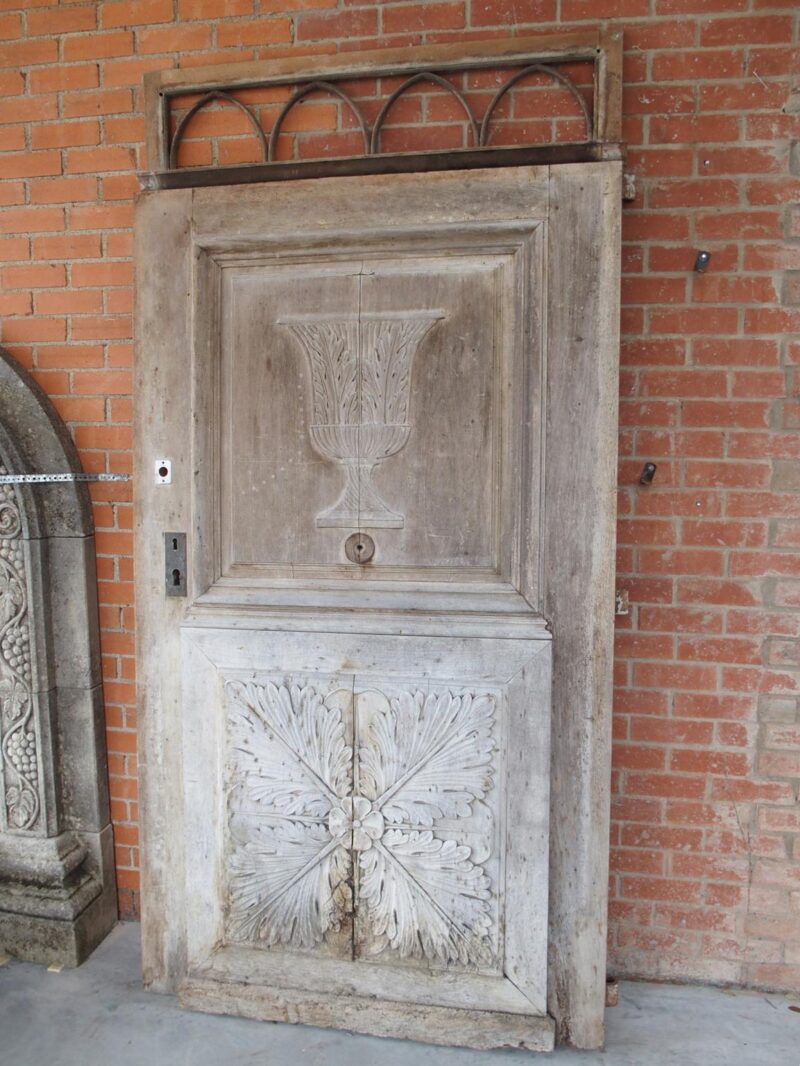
(581, 397)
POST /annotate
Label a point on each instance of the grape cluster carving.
(18, 743)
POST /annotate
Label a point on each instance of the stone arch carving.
(57, 889)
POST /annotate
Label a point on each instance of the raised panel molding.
(413, 407)
(291, 761)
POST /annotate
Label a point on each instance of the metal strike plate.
(175, 564)
(163, 471)
(359, 547)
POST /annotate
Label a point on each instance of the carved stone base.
(53, 906)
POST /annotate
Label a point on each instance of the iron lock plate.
(175, 564)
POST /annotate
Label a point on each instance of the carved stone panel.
(19, 728)
(57, 891)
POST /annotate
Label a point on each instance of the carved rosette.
(394, 834)
(18, 743)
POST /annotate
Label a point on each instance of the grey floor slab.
(99, 1015)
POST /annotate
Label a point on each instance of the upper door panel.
(366, 395)
(382, 377)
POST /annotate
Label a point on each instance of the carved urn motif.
(361, 376)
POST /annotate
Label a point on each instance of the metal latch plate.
(175, 564)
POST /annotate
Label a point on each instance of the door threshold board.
(450, 1026)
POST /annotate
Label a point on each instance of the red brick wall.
(706, 831)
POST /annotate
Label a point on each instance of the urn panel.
(374, 393)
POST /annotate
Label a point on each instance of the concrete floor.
(99, 1015)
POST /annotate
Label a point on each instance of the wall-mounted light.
(701, 262)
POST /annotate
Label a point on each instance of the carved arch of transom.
(54, 811)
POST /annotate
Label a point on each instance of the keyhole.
(174, 544)
(359, 548)
(176, 578)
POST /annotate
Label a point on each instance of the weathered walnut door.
(346, 720)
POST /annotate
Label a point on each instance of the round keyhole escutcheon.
(359, 547)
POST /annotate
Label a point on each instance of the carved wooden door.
(347, 718)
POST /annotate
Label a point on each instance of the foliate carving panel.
(18, 728)
(291, 766)
(368, 809)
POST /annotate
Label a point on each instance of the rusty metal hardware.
(647, 474)
(444, 67)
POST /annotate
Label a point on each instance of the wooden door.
(347, 716)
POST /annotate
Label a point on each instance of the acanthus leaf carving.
(332, 350)
(292, 748)
(426, 899)
(428, 756)
(290, 759)
(301, 816)
(283, 884)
